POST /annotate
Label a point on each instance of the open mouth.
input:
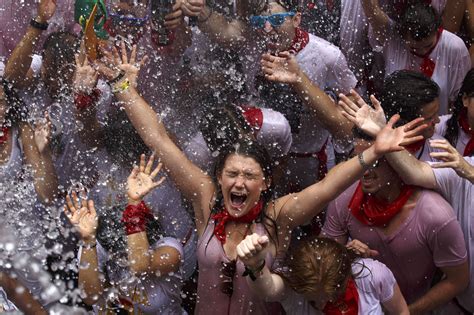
(237, 199)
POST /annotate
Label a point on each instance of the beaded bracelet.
(39, 25)
(253, 273)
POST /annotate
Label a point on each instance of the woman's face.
(242, 182)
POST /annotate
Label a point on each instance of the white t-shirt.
(375, 285)
(450, 56)
(274, 135)
(459, 192)
(154, 295)
(463, 138)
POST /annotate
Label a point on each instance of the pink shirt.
(430, 237)
(210, 298)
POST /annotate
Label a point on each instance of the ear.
(266, 184)
(297, 19)
(465, 100)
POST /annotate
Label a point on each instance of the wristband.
(117, 78)
(89, 246)
(253, 273)
(84, 101)
(135, 218)
(39, 25)
(362, 163)
(121, 87)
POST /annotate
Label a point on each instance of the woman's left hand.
(140, 182)
(450, 157)
(42, 133)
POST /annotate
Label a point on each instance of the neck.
(389, 192)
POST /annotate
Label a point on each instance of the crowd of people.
(237, 157)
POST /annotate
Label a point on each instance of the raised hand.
(450, 157)
(252, 250)
(42, 133)
(283, 69)
(192, 7)
(46, 9)
(140, 182)
(361, 249)
(368, 119)
(392, 140)
(117, 63)
(82, 215)
(85, 76)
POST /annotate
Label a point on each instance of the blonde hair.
(318, 265)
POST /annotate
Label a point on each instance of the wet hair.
(122, 142)
(289, 5)
(318, 265)
(224, 126)
(111, 234)
(406, 92)
(60, 49)
(248, 148)
(16, 110)
(419, 20)
(452, 125)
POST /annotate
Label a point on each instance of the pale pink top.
(210, 298)
(430, 237)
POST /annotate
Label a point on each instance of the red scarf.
(370, 211)
(416, 146)
(464, 123)
(427, 66)
(223, 217)
(4, 137)
(300, 41)
(254, 117)
(347, 304)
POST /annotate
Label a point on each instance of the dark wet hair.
(224, 126)
(406, 92)
(111, 234)
(419, 20)
(16, 110)
(121, 140)
(60, 49)
(452, 126)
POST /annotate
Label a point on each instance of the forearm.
(268, 286)
(138, 254)
(323, 107)
(19, 62)
(437, 296)
(411, 170)
(377, 18)
(89, 275)
(20, 296)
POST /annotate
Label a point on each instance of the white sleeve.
(36, 63)
(170, 242)
(447, 182)
(275, 134)
(375, 277)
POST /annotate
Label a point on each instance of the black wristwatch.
(38, 25)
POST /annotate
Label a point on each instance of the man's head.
(57, 70)
(276, 25)
(412, 95)
(418, 27)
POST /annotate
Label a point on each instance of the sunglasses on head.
(127, 20)
(276, 20)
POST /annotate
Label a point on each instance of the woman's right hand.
(82, 215)
(252, 250)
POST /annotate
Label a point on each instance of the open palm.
(82, 215)
(283, 69)
(141, 180)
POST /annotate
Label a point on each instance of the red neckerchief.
(464, 123)
(347, 304)
(370, 211)
(427, 66)
(416, 146)
(223, 217)
(4, 137)
(300, 41)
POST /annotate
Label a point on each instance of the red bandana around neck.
(347, 304)
(464, 123)
(370, 211)
(416, 146)
(253, 116)
(300, 41)
(427, 66)
(223, 217)
(4, 136)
